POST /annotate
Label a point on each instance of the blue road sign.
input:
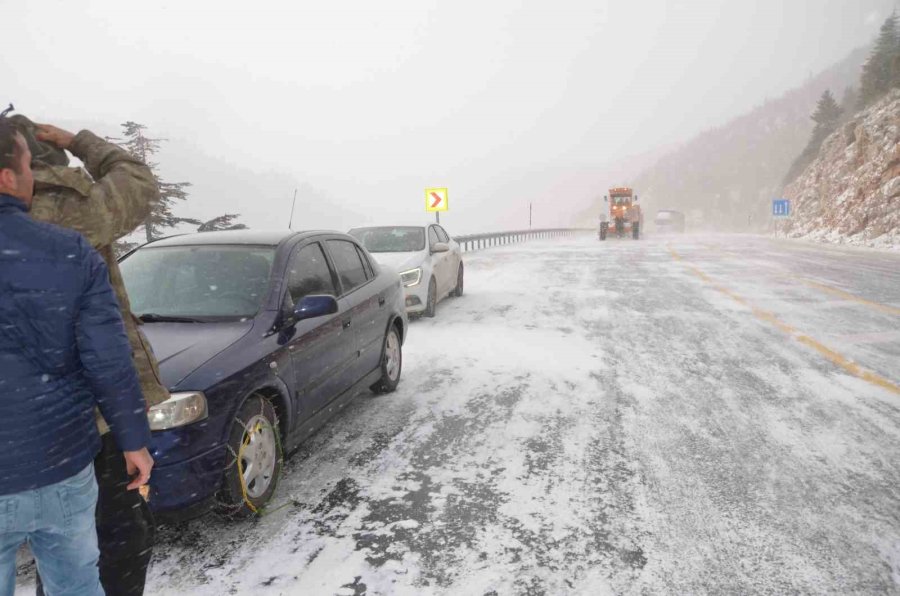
(781, 207)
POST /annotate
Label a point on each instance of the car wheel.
(391, 363)
(254, 459)
(459, 282)
(432, 299)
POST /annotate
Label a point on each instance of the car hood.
(181, 348)
(399, 261)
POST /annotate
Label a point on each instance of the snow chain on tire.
(236, 460)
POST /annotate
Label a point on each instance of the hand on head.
(48, 133)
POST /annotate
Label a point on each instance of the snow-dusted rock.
(851, 192)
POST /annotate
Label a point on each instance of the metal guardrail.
(471, 242)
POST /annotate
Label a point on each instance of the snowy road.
(683, 415)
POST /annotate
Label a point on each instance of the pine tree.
(223, 222)
(122, 247)
(827, 118)
(881, 71)
(827, 114)
(849, 103)
(161, 216)
(895, 59)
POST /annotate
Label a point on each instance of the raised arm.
(120, 198)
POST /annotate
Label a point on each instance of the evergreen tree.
(161, 216)
(895, 60)
(849, 103)
(223, 222)
(827, 114)
(827, 118)
(881, 71)
(122, 247)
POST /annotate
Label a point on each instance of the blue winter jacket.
(63, 350)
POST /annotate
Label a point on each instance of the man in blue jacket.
(63, 350)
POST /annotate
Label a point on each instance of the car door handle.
(346, 323)
(381, 301)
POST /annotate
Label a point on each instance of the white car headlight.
(178, 410)
(411, 277)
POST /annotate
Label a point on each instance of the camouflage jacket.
(104, 203)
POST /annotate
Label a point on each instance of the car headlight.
(178, 410)
(411, 277)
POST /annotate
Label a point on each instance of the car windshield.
(400, 239)
(197, 282)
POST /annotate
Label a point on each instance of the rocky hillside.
(851, 192)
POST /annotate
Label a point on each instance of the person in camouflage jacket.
(106, 200)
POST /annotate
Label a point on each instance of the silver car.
(428, 260)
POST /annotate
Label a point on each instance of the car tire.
(255, 427)
(431, 304)
(391, 363)
(458, 291)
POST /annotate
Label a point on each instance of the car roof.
(252, 237)
(387, 227)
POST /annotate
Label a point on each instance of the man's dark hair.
(10, 150)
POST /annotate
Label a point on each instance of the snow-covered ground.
(889, 241)
(677, 415)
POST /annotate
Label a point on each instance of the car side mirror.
(635, 198)
(605, 199)
(311, 307)
(440, 247)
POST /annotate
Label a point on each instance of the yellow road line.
(891, 310)
(831, 355)
(848, 296)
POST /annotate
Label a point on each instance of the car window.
(442, 234)
(432, 236)
(308, 273)
(198, 281)
(392, 239)
(347, 261)
(367, 265)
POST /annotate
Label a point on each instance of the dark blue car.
(261, 338)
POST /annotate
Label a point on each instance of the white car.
(428, 260)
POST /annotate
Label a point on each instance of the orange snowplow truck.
(624, 217)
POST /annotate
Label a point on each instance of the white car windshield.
(391, 239)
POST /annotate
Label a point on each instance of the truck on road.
(624, 215)
(669, 221)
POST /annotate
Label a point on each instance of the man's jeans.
(125, 528)
(58, 522)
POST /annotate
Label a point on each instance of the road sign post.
(437, 200)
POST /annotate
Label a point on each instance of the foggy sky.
(370, 102)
